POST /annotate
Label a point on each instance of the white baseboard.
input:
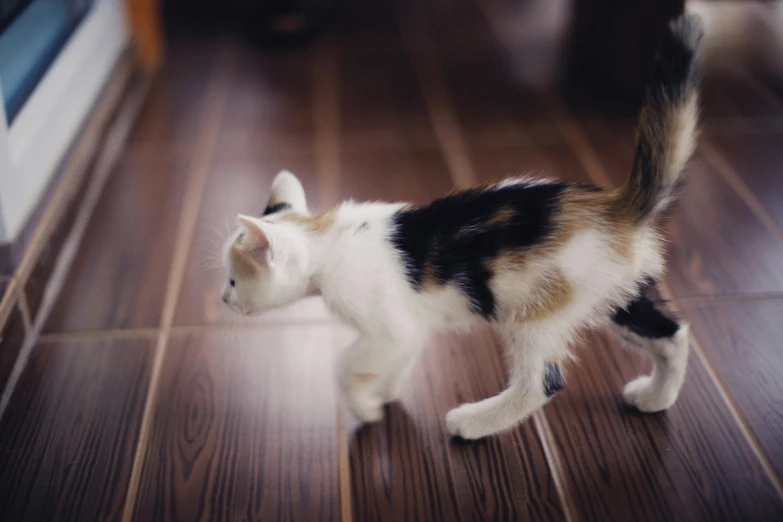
(51, 118)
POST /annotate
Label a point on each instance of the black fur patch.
(554, 381)
(645, 320)
(454, 238)
(274, 209)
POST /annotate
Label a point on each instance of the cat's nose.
(225, 298)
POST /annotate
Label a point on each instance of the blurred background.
(134, 131)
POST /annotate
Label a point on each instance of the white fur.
(362, 280)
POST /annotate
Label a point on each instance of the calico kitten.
(538, 260)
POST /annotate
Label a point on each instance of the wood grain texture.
(742, 341)
(68, 435)
(235, 186)
(36, 284)
(717, 245)
(388, 149)
(727, 94)
(758, 161)
(689, 463)
(119, 275)
(244, 429)
(381, 104)
(486, 96)
(11, 340)
(407, 468)
(552, 159)
(269, 108)
(170, 116)
(402, 175)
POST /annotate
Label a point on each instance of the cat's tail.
(667, 128)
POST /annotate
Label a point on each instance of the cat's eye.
(231, 282)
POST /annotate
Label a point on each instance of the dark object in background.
(288, 23)
(269, 23)
(612, 46)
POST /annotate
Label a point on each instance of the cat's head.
(267, 258)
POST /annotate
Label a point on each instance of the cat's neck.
(344, 237)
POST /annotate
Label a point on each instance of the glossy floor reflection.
(145, 400)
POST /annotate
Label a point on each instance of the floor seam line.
(214, 106)
(541, 422)
(730, 176)
(178, 330)
(554, 463)
(581, 147)
(739, 420)
(105, 159)
(427, 67)
(326, 121)
(326, 144)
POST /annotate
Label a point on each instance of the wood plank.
(402, 175)
(758, 161)
(718, 246)
(487, 95)
(689, 463)
(244, 428)
(726, 93)
(380, 101)
(269, 107)
(550, 158)
(407, 468)
(69, 432)
(388, 149)
(119, 275)
(11, 339)
(170, 116)
(742, 341)
(239, 185)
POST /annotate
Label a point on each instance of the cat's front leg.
(534, 380)
(371, 373)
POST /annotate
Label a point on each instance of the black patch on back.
(645, 320)
(554, 381)
(278, 207)
(452, 236)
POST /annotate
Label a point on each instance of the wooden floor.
(145, 400)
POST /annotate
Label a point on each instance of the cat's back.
(465, 238)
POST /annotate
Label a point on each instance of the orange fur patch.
(551, 295)
(365, 377)
(502, 216)
(318, 223)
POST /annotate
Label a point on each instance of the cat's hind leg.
(535, 378)
(646, 327)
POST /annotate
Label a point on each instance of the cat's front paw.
(463, 422)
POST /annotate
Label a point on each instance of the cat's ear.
(255, 236)
(287, 193)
